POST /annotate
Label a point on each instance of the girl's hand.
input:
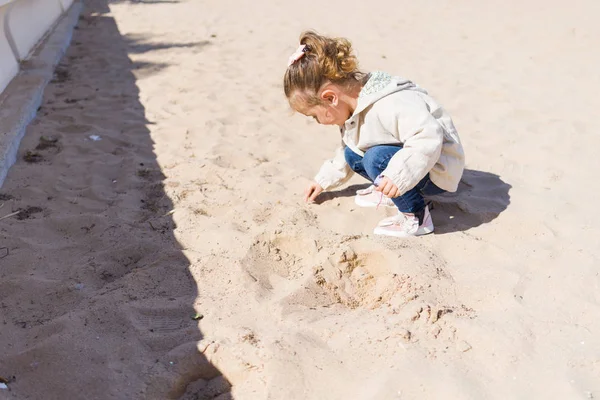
(312, 191)
(387, 187)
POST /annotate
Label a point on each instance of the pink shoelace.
(376, 183)
(380, 201)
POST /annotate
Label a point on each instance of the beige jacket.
(393, 110)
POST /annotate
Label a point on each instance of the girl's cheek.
(330, 117)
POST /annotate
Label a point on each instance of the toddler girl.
(393, 133)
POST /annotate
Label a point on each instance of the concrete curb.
(22, 97)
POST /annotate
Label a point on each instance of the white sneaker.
(369, 197)
(405, 225)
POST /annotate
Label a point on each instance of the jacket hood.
(380, 84)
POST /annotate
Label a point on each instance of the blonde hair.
(325, 59)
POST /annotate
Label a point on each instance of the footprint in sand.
(194, 376)
(75, 128)
(184, 372)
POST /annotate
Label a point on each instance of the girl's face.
(328, 114)
(335, 107)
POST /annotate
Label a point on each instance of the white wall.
(23, 23)
(29, 20)
(8, 64)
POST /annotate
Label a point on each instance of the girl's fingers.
(308, 193)
(315, 193)
(311, 193)
(388, 189)
(392, 191)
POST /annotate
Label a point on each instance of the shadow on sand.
(184, 372)
(480, 198)
(109, 313)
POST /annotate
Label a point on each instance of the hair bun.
(334, 55)
(325, 59)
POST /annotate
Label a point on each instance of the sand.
(190, 205)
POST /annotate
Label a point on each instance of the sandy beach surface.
(163, 250)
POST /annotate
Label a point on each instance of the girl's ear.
(330, 97)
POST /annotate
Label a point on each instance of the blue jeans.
(375, 162)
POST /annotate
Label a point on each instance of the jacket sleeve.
(422, 137)
(334, 172)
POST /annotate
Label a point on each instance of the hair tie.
(298, 54)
